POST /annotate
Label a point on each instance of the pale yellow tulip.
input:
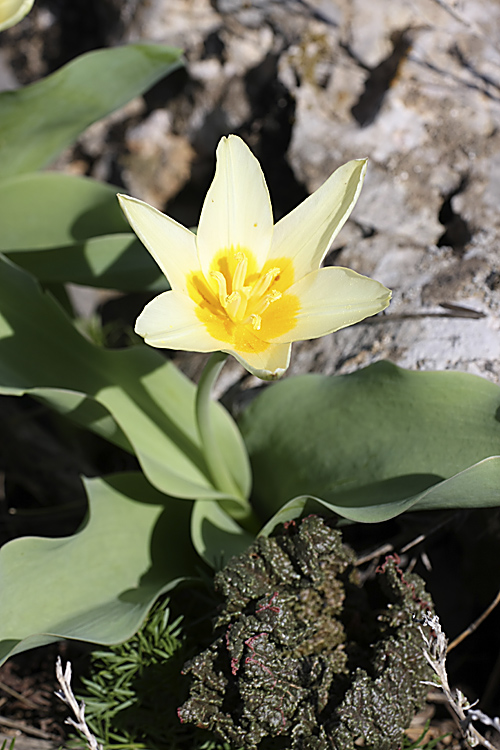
(243, 285)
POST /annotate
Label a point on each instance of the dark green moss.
(304, 656)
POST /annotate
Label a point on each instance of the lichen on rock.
(305, 657)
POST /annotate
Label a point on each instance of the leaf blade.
(40, 120)
(150, 401)
(102, 579)
(50, 209)
(215, 535)
(110, 261)
(380, 435)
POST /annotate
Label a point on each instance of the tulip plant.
(364, 447)
(245, 287)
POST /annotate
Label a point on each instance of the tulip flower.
(12, 11)
(244, 285)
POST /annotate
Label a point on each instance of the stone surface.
(412, 84)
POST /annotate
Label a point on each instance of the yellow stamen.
(256, 321)
(264, 282)
(240, 273)
(235, 295)
(264, 303)
(222, 286)
(274, 295)
(233, 305)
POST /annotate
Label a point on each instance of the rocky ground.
(412, 84)
(309, 84)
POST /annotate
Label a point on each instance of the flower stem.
(217, 467)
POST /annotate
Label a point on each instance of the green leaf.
(460, 491)
(215, 535)
(38, 121)
(113, 261)
(86, 412)
(151, 403)
(98, 584)
(295, 508)
(377, 442)
(50, 209)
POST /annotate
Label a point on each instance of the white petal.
(268, 365)
(11, 12)
(169, 321)
(172, 246)
(334, 298)
(237, 209)
(306, 233)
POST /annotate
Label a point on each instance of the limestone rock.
(414, 85)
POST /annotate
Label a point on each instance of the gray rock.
(413, 85)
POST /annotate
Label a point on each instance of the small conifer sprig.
(133, 689)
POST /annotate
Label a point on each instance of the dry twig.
(475, 624)
(67, 696)
(435, 651)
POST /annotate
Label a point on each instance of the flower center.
(244, 298)
(242, 303)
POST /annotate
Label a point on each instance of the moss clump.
(304, 656)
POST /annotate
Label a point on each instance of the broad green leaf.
(86, 412)
(112, 261)
(97, 585)
(153, 403)
(50, 209)
(215, 535)
(38, 121)
(149, 400)
(295, 508)
(479, 482)
(376, 442)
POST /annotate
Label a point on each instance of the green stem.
(237, 505)
(217, 466)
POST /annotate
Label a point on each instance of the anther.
(256, 321)
(221, 284)
(274, 295)
(265, 301)
(241, 272)
(232, 303)
(264, 282)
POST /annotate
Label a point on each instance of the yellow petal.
(268, 365)
(306, 233)
(237, 210)
(12, 11)
(333, 298)
(169, 321)
(172, 246)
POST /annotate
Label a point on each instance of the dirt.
(29, 709)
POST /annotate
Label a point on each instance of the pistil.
(241, 272)
(234, 306)
(246, 304)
